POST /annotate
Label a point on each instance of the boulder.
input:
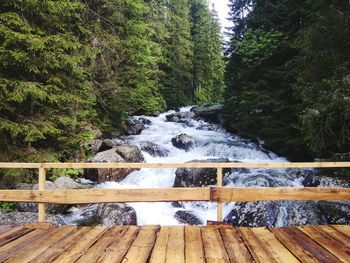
(135, 127)
(254, 214)
(154, 149)
(199, 177)
(187, 217)
(130, 153)
(210, 113)
(116, 214)
(335, 212)
(66, 182)
(82, 215)
(316, 180)
(144, 121)
(120, 154)
(183, 141)
(101, 145)
(180, 116)
(33, 207)
(299, 213)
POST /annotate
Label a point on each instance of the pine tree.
(208, 65)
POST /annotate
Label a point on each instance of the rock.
(181, 117)
(145, 121)
(315, 180)
(187, 217)
(20, 218)
(155, 114)
(82, 215)
(23, 186)
(253, 214)
(209, 113)
(66, 182)
(183, 141)
(119, 154)
(101, 145)
(154, 149)
(335, 212)
(50, 208)
(299, 213)
(116, 214)
(199, 177)
(135, 127)
(130, 153)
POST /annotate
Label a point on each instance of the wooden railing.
(214, 194)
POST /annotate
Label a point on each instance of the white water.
(209, 144)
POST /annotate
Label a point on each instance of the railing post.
(41, 206)
(219, 184)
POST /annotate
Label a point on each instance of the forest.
(72, 69)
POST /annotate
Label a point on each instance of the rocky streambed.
(189, 135)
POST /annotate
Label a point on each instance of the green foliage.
(288, 81)
(69, 66)
(7, 206)
(72, 173)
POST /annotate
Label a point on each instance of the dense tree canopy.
(71, 67)
(288, 75)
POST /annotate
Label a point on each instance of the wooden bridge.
(213, 243)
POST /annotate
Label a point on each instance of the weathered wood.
(89, 196)
(12, 248)
(214, 248)
(173, 165)
(277, 193)
(342, 228)
(141, 248)
(56, 249)
(219, 184)
(120, 246)
(337, 235)
(235, 246)
(176, 245)
(31, 252)
(76, 251)
(337, 249)
(97, 250)
(41, 206)
(12, 234)
(278, 252)
(194, 245)
(299, 251)
(159, 251)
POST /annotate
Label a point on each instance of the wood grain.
(277, 193)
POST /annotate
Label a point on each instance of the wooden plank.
(214, 248)
(278, 251)
(141, 248)
(4, 228)
(219, 204)
(328, 243)
(159, 251)
(256, 246)
(194, 251)
(345, 229)
(340, 237)
(76, 251)
(294, 246)
(120, 246)
(174, 165)
(12, 234)
(176, 245)
(31, 252)
(41, 206)
(250, 194)
(56, 249)
(90, 196)
(42, 226)
(17, 245)
(94, 253)
(235, 247)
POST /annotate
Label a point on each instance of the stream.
(212, 142)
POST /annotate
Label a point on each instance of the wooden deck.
(213, 243)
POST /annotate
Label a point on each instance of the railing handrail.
(217, 194)
(272, 165)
